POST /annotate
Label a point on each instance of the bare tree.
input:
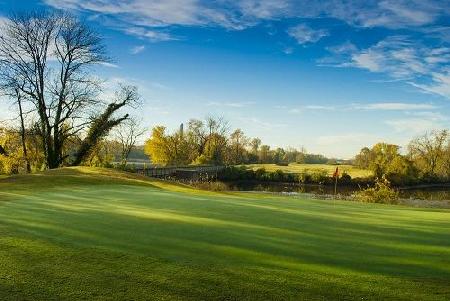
(126, 134)
(47, 56)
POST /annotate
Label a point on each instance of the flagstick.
(335, 186)
(336, 176)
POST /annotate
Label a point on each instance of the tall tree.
(255, 143)
(47, 56)
(238, 141)
(126, 135)
(428, 151)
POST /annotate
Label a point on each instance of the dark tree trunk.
(100, 128)
(23, 134)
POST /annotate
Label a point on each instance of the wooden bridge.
(194, 173)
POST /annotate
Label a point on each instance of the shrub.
(345, 178)
(10, 164)
(319, 176)
(380, 193)
(304, 177)
(260, 174)
(211, 186)
(277, 176)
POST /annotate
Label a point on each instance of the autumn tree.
(12, 157)
(429, 152)
(363, 159)
(167, 149)
(237, 145)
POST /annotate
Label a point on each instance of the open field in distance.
(353, 171)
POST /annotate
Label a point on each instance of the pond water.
(437, 193)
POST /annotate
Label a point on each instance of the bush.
(381, 193)
(345, 178)
(260, 174)
(10, 164)
(211, 186)
(320, 176)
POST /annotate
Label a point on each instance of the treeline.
(210, 142)
(427, 160)
(319, 176)
(117, 148)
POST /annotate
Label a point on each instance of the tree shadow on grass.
(240, 247)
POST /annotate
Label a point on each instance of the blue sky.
(332, 76)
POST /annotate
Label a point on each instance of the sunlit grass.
(353, 171)
(101, 234)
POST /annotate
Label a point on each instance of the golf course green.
(99, 234)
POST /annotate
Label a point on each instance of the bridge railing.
(185, 172)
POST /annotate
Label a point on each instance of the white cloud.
(109, 65)
(152, 35)
(231, 104)
(393, 106)
(440, 84)
(391, 14)
(320, 108)
(413, 126)
(305, 34)
(137, 49)
(288, 50)
(401, 59)
(397, 56)
(295, 111)
(265, 9)
(434, 116)
(239, 14)
(263, 124)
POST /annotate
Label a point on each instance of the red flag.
(336, 173)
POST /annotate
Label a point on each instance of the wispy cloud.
(401, 58)
(109, 65)
(413, 126)
(151, 35)
(264, 124)
(137, 49)
(393, 106)
(440, 84)
(264, 9)
(239, 14)
(320, 108)
(405, 57)
(231, 104)
(303, 34)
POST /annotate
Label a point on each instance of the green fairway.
(102, 235)
(353, 171)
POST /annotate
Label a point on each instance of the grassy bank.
(100, 234)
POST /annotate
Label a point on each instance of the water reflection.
(428, 193)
